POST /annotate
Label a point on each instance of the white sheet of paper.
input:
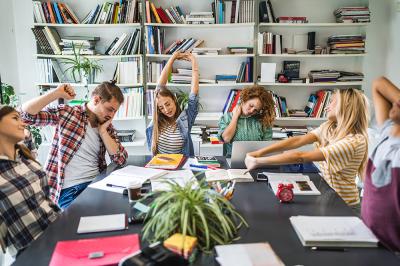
(268, 71)
(181, 177)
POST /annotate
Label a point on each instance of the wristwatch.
(285, 192)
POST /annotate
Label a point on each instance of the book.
(240, 175)
(247, 254)
(333, 231)
(102, 223)
(291, 69)
(268, 72)
(207, 160)
(166, 161)
(183, 245)
(78, 252)
(302, 185)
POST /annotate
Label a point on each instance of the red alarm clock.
(285, 192)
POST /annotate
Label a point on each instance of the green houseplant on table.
(201, 212)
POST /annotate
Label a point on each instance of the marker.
(198, 166)
(111, 185)
(328, 249)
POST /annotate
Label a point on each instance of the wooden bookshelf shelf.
(89, 56)
(312, 55)
(204, 85)
(299, 25)
(203, 56)
(317, 84)
(208, 26)
(120, 25)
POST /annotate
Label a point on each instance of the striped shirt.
(170, 141)
(342, 161)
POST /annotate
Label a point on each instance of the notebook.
(207, 160)
(102, 223)
(166, 161)
(104, 251)
(240, 175)
(333, 231)
(252, 254)
(302, 185)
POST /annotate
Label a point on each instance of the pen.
(111, 185)
(198, 166)
(328, 249)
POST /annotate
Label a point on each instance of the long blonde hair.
(352, 116)
(160, 121)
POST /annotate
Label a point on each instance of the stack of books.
(48, 40)
(207, 160)
(297, 113)
(184, 76)
(84, 45)
(126, 135)
(128, 11)
(269, 43)
(346, 44)
(226, 79)
(154, 40)
(233, 11)
(52, 12)
(200, 18)
(324, 75)
(169, 15)
(231, 101)
(240, 49)
(133, 103)
(154, 70)
(166, 161)
(206, 51)
(355, 14)
(183, 45)
(126, 44)
(292, 20)
(317, 103)
(350, 76)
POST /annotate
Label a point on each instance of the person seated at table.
(26, 208)
(342, 145)
(169, 131)
(251, 119)
(82, 136)
(380, 209)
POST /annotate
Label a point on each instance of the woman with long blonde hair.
(169, 132)
(342, 145)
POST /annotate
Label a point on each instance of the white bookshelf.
(204, 56)
(312, 55)
(207, 26)
(77, 26)
(79, 85)
(101, 57)
(316, 84)
(204, 85)
(304, 25)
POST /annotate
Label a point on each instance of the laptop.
(241, 148)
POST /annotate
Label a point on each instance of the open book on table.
(302, 185)
(239, 175)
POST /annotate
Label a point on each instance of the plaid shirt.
(25, 207)
(71, 123)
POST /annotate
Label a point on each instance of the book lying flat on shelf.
(102, 223)
(240, 175)
(247, 255)
(302, 185)
(166, 161)
(333, 231)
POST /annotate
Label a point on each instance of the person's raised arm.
(384, 94)
(287, 144)
(195, 73)
(34, 106)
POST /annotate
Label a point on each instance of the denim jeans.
(69, 194)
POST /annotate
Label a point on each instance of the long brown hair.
(160, 121)
(267, 112)
(352, 117)
(6, 110)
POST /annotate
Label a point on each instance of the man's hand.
(65, 91)
(103, 127)
(251, 162)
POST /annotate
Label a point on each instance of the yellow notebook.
(166, 161)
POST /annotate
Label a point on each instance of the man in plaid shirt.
(82, 136)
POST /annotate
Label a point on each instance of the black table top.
(268, 220)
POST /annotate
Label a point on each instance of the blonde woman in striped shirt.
(342, 146)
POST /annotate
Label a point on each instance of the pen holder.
(225, 189)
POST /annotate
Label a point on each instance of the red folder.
(77, 252)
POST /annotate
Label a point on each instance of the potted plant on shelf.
(82, 68)
(201, 212)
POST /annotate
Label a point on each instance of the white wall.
(8, 62)
(393, 43)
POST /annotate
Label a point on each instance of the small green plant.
(80, 65)
(182, 98)
(200, 212)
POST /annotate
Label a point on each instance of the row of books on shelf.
(223, 12)
(53, 12)
(124, 11)
(128, 72)
(126, 44)
(133, 103)
(51, 71)
(318, 103)
(270, 43)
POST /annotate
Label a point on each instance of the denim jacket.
(185, 122)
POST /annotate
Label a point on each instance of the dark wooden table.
(268, 220)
